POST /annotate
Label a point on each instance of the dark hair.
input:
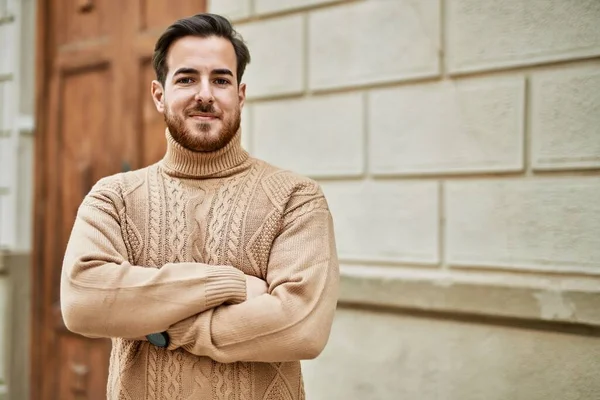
(201, 25)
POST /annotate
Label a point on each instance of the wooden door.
(94, 117)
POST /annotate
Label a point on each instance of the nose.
(204, 94)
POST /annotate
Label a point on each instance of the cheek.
(229, 103)
(176, 106)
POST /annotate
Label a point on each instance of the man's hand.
(255, 287)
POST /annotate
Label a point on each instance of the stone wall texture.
(458, 143)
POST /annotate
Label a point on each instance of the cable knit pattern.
(166, 248)
(155, 221)
(221, 206)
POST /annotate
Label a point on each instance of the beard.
(200, 138)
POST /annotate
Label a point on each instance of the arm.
(103, 295)
(294, 320)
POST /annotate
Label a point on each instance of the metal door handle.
(79, 384)
(85, 6)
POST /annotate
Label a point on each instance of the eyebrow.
(222, 71)
(218, 71)
(185, 71)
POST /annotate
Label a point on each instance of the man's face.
(201, 99)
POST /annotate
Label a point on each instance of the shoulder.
(289, 190)
(113, 188)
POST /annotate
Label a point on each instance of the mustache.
(202, 108)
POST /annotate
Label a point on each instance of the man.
(214, 273)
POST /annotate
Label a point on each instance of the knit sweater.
(167, 247)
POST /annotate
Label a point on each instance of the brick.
(6, 161)
(24, 187)
(382, 355)
(277, 50)
(565, 118)
(6, 240)
(7, 104)
(232, 9)
(489, 34)
(385, 221)
(7, 44)
(373, 42)
(271, 6)
(537, 224)
(316, 136)
(448, 127)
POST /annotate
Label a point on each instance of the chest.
(217, 222)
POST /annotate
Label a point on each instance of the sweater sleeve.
(291, 322)
(103, 295)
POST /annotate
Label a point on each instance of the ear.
(158, 95)
(242, 94)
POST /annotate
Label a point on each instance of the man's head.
(199, 63)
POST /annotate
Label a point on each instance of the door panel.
(83, 131)
(82, 20)
(160, 13)
(94, 117)
(79, 377)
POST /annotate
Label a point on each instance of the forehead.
(201, 53)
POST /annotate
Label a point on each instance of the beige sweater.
(166, 248)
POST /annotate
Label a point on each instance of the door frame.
(38, 336)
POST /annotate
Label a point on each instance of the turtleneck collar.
(185, 163)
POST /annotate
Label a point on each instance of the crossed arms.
(213, 311)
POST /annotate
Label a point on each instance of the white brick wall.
(391, 112)
(565, 118)
(436, 126)
(277, 52)
(7, 105)
(270, 6)
(398, 357)
(385, 221)
(305, 131)
(233, 9)
(458, 145)
(6, 33)
(491, 34)
(373, 42)
(448, 127)
(518, 223)
(16, 143)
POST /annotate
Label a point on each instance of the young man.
(214, 273)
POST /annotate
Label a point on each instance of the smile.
(204, 117)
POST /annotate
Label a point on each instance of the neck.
(185, 163)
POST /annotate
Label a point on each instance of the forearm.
(103, 295)
(262, 329)
(121, 300)
(293, 321)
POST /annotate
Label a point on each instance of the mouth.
(204, 117)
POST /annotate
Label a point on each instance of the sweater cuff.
(181, 333)
(224, 285)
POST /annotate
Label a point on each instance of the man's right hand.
(255, 287)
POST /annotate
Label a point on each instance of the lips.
(204, 116)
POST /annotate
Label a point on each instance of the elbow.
(312, 342)
(81, 313)
(311, 347)
(76, 318)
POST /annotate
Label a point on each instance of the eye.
(184, 81)
(221, 81)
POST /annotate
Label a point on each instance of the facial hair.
(201, 140)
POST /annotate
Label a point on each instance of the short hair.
(201, 25)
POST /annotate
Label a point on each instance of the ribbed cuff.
(181, 333)
(225, 285)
